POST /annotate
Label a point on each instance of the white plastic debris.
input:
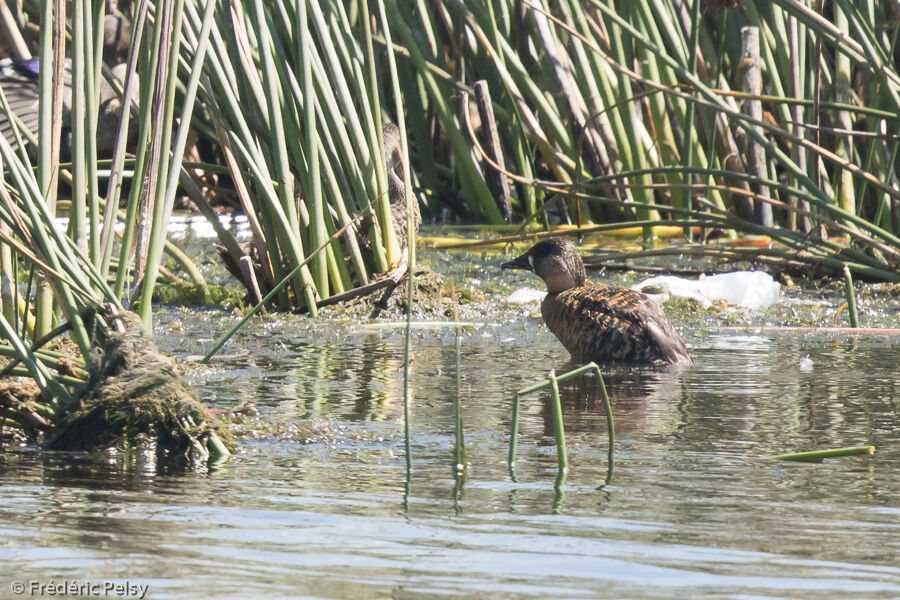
(806, 364)
(747, 289)
(525, 295)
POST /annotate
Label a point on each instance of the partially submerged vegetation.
(135, 400)
(558, 426)
(130, 399)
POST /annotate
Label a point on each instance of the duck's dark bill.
(520, 263)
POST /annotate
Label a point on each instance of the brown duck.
(601, 323)
(393, 163)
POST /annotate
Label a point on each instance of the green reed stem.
(690, 135)
(459, 448)
(610, 426)
(819, 455)
(92, 49)
(562, 456)
(49, 129)
(553, 383)
(559, 494)
(159, 160)
(514, 433)
(851, 298)
(118, 162)
(317, 231)
(37, 371)
(78, 119)
(217, 450)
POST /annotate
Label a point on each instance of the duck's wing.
(608, 323)
(648, 320)
(595, 323)
(671, 345)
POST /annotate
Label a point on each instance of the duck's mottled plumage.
(393, 163)
(600, 323)
(20, 84)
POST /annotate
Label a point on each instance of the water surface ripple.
(694, 509)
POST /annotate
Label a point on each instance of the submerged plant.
(818, 456)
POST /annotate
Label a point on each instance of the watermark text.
(76, 588)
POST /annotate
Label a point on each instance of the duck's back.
(20, 86)
(608, 323)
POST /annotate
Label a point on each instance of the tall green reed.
(73, 265)
(601, 58)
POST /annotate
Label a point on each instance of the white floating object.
(806, 364)
(747, 289)
(668, 285)
(525, 295)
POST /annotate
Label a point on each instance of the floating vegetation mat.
(135, 399)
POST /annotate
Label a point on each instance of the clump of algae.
(135, 399)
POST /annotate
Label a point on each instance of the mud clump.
(18, 399)
(391, 301)
(135, 399)
(427, 292)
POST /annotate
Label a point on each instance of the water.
(319, 503)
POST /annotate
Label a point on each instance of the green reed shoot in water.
(559, 431)
(819, 455)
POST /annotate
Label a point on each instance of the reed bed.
(769, 119)
(114, 386)
(671, 119)
(603, 113)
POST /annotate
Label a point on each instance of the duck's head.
(555, 261)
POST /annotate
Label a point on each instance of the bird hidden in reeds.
(393, 163)
(600, 323)
(20, 85)
(19, 81)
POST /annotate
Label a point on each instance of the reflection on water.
(694, 508)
